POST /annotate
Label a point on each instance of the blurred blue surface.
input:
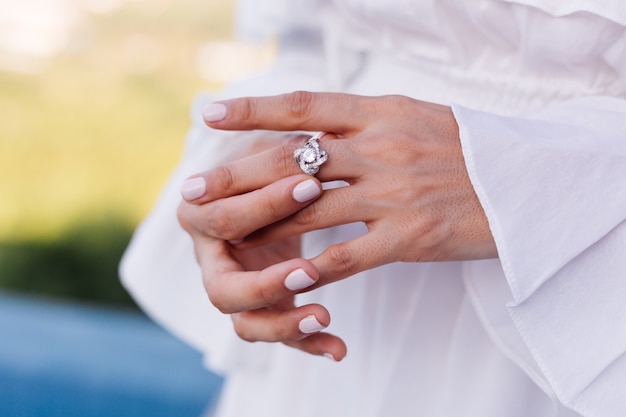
(62, 359)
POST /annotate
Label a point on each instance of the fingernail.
(235, 241)
(329, 356)
(193, 188)
(306, 190)
(298, 280)
(214, 112)
(309, 324)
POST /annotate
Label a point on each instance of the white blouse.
(538, 89)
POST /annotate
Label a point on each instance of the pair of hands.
(407, 181)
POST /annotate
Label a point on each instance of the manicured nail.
(193, 188)
(309, 324)
(329, 356)
(306, 190)
(214, 112)
(298, 280)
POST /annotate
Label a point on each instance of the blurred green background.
(91, 126)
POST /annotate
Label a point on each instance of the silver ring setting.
(310, 157)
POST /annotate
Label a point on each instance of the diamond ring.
(310, 157)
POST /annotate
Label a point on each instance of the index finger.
(300, 110)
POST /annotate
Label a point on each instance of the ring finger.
(257, 171)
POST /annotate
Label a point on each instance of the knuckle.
(307, 216)
(274, 208)
(247, 110)
(215, 294)
(399, 106)
(220, 222)
(241, 327)
(282, 160)
(221, 180)
(397, 101)
(298, 104)
(341, 258)
(282, 333)
(267, 295)
(427, 236)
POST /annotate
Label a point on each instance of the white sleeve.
(260, 20)
(553, 186)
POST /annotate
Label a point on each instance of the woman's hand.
(402, 159)
(408, 184)
(256, 286)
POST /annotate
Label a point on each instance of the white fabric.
(538, 90)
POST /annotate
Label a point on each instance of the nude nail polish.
(298, 280)
(214, 112)
(193, 188)
(309, 324)
(306, 190)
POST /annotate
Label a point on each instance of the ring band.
(310, 157)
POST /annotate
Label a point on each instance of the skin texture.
(407, 181)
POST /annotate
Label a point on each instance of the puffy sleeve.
(258, 20)
(159, 268)
(553, 186)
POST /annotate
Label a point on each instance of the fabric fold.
(609, 9)
(561, 245)
(571, 149)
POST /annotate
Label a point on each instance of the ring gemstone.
(310, 157)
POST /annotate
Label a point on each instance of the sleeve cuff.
(551, 184)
